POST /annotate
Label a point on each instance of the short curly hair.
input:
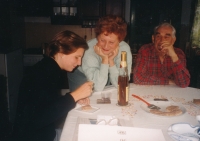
(112, 24)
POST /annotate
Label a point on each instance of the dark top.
(40, 102)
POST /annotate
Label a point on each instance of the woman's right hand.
(104, 57)
(84, 101)
(83, 91)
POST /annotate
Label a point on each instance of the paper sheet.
(89, 132)
(87, 121)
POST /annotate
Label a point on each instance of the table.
(137, 116)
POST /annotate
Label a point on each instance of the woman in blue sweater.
(101, 62)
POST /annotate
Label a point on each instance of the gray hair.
(165, 25)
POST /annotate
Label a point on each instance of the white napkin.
(179, 137)
(107, 120)
(198, 118)
(184, 132)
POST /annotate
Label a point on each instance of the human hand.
(99, 52)
(171, 82)
(84, 101)
(111, 56)
(83, 91)
(168, 49)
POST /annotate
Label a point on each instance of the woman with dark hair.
(101, 62)
(40, 102)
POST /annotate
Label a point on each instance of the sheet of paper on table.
(80, 120)
(88, 132)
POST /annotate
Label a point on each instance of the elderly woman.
(40, 102)
(101, 62)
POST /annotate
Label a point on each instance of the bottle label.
(123, 64)
(127, 94)
(123, 90)
(118, 92)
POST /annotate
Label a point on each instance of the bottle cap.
(123, 56)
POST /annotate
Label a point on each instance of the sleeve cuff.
(104, 68)
(177, 65)
(113, 69)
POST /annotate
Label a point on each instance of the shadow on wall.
(39, 33)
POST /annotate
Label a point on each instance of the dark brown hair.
(65, 42)
(112, 24)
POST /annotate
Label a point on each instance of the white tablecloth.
(134, 113)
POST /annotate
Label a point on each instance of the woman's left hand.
(85, 101)
(112, 55)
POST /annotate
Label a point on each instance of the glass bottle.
(123, 81)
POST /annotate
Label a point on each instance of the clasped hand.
(106, 58)
(167, 48)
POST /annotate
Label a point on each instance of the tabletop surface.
(134, 113)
